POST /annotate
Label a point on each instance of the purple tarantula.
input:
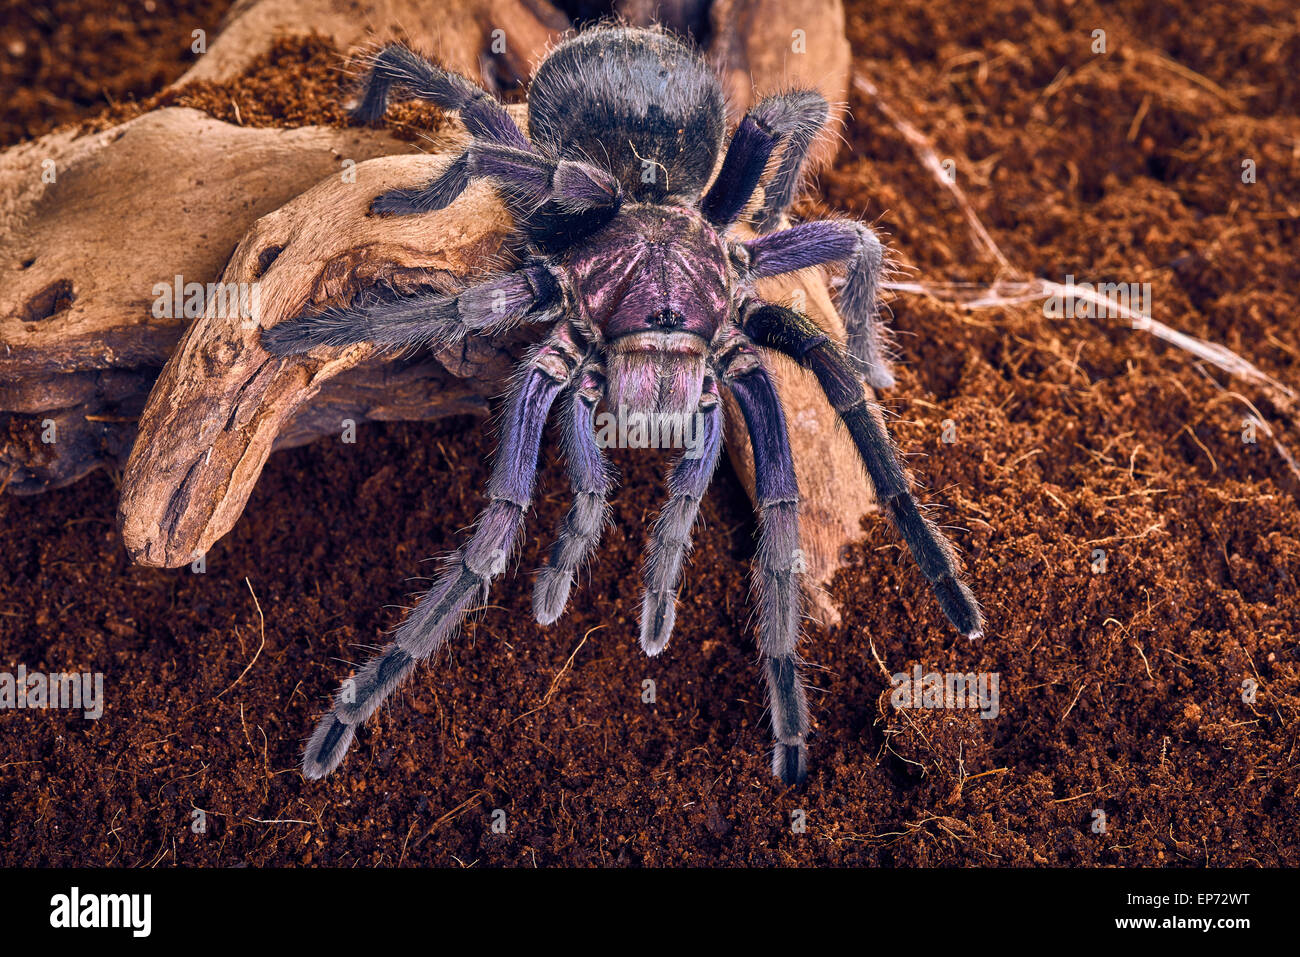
(651, 308)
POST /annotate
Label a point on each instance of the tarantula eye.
(667, 319)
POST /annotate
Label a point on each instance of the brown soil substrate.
(1121, 691)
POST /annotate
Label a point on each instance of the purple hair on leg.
(670, 542)
(837, 241)
(581, 529)
(425, 319)
(468, 572)
(776, 569)
(803, 340)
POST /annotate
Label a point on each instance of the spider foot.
(879, 377)
(551, 594)
(409, 202)
(327, 747)
(439, 194)
(874, 369)
(790, 762)
(658, 614)
(960, 607)
(582, 526)
(398, 202)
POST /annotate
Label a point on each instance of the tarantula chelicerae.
(651, 308)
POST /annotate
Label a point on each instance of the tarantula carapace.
(623, 218)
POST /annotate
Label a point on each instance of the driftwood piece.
(90, 226)
(764, 46)
(222, 405)
(214, 414)
(459, 33)
(758, 46)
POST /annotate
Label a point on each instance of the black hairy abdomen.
(634, 102)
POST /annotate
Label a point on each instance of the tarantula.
(650, 306)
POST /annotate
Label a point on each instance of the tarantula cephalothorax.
(650, 308)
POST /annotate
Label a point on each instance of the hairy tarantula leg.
(747, 154)
(574, 186)
(780, 560)
(803, 340)
(790, 118)
(829, 241)
(439, 194)
(529, 293)
(469, 571)
(398, 65)
(483, 116)
(670, 541)
(800, 114)
(581, 529)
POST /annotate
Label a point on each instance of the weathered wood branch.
(90, 228)
(221, 401)
(458, 33)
